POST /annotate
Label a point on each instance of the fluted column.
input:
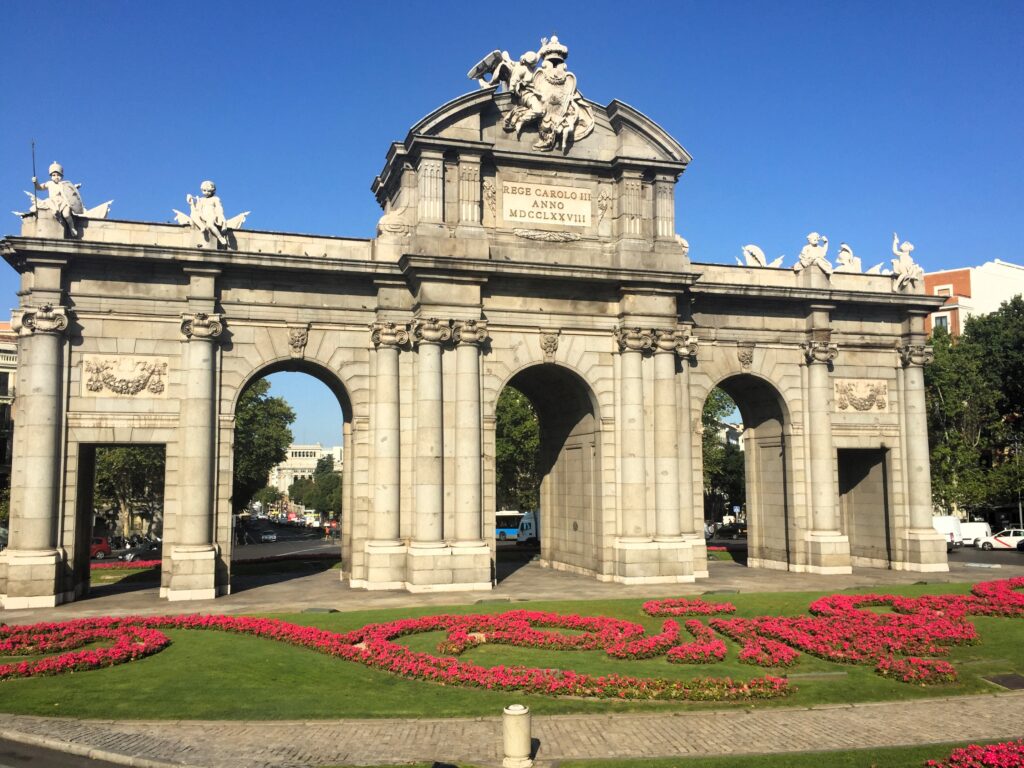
(194, 530)
(632, 344)
(819, 436)
(919, 483)
(469, 336)
(666, 439)
(429, 514)
(388, 339)
(37, 456)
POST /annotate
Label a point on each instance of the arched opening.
(288, 490)
(567, 469)
(764, 515)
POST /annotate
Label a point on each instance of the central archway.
(568, 467)
(768, 462)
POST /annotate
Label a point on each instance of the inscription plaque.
(524, 202)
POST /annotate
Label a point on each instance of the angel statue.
(64, 201)
(206, 216)
(813, 254)
(904, 269)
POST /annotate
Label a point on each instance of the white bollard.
(515, 724)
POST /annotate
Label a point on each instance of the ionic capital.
(634, 339)
(389, 335)
(45, 319)
(431, 331)
(470, 332)
(201, 326)
(916, 354)
(819, 351)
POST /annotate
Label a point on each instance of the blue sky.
(853, 119)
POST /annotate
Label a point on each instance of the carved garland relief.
(862, 395)
(142, 378)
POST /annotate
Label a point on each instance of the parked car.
(1008, 539)
(731, 531)
(99, 547)
(268, 537)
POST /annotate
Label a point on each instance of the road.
(14, 755)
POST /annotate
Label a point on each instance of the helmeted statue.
(64, 200)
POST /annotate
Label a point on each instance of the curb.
(93, 753)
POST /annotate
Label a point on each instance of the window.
(941, 321)
(943, 292)
(5, 384)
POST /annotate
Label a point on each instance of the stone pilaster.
(429, 512)
(633, 342)
(828, 550)
(664, 208)
(469, 335)
(33, 559)
(666, 438)
(469, 191)
(631, 205)
(925, 547)
(193, 555)
(385, 552)
(430, 174)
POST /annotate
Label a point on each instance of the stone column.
(430, 173)
(388, 338)
(924, 547)
(429, 513)
(666, 439)
(819, 436)
(688, 526)
(32, 560)
(469, 190)
(193, 555)
(632, 344)
(469, 335)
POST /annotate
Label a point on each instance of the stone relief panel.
(130, 376)
(861, 395)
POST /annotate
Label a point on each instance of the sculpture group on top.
(905, 272)
(206, 217)
(543, 93)
(63, 201)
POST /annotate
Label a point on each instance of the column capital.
(819, 351)
(634, 339)
(389, 335)
(201, 326)
(916, 355)
(431, 331)
(44, 319)
(470, 332)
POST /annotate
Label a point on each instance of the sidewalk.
(477, 741)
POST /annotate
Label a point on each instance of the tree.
(130, 478)
(322, 492)
(262, 438)
(517, 449)
(724, 463)
(267, 495)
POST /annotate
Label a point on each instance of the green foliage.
(975, 400)
(517, 448)
(5, 504)
(321, 493)
(262, 438)
(724, 465)
(130, 479)
(267, 495)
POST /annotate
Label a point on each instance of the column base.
(653, 562)
(193, 573)
(32, 579)
(828, 554)
(443, 568)
(924, 551)
(385, 566)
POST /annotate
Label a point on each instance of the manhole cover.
(1012, 682)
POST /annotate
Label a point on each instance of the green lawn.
(213, 675)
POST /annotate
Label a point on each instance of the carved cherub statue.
(206, 216)
(846, 261)
(813, 254)
(906, 272)
(64, 199)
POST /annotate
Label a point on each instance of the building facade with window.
(301, 463)
(972, 291)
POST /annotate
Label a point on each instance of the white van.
(946, 525)
(529, 528)
(973, 532)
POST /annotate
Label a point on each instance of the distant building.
(971, 291)
(8, 372)
(731, 434)
(301, 463)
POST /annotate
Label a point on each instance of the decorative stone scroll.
(470, 332)
(916, 354)
(298, 337)
(134, 376)
(201, 325)
(819, 351)
(549, 343)
(431, 331)
(634, 339)
(862, 395)
(677, 341)
(45, 319)
(389, 334)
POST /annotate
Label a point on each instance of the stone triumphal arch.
(529, 240)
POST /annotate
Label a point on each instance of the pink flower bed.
(122, 565)
(1008, 754)
(841, 629)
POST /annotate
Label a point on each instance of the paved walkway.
(478, 741)
(561, 737)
